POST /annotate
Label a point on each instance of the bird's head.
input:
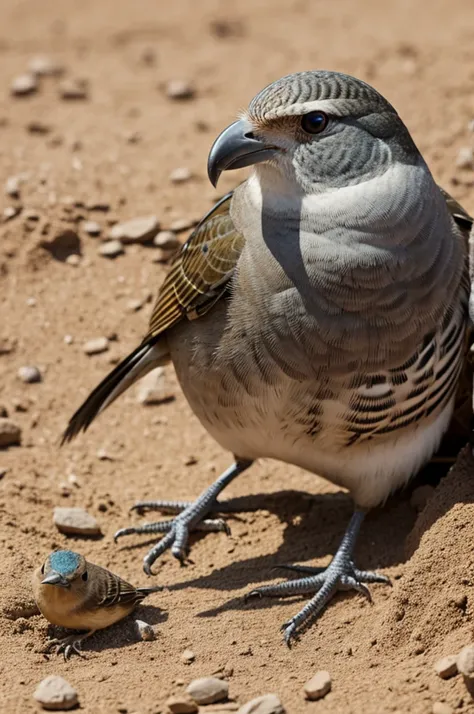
(318, 130)
(62, 568)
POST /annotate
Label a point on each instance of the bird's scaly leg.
(190, 517)
(71, 644)
(341, 574)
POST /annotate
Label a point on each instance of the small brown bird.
(73, 593)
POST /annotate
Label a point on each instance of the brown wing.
(112, 590)
(200, 271)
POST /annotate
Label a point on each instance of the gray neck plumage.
(381, 254)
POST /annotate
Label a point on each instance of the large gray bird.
(317, 315)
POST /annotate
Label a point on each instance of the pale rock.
(446, 667)
(23, 85)
(111, 249)
(180, 89)
(96, 346)
(465, 661)
(91, 228)
(188, 656)
(55, 693)
(75, 521)
(145, 631)
(166, 240)
(136, 230)
(208, 690)
(318, 686)
(181, 705)
(267, 704)
(73, 89)
(153, 388)
(180, 175)
(29, 374)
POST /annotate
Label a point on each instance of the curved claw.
(252, 593)
(123, 532)
(289, 632)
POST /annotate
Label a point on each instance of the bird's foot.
(69, 645)
(341, 574)
(190, 517)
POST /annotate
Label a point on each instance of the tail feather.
(144, 358)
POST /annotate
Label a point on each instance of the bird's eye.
(314, 122)
(85, 576)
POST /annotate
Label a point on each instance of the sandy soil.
(117, 148)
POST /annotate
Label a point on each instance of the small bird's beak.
(235, 148)
(54, 578)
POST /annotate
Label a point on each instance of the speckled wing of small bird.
(73, 593)
(318, 315)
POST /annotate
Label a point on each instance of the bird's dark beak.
(235, 148)
(54, 578)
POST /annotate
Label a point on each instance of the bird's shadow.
(121, 634)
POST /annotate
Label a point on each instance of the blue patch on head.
(64, 562)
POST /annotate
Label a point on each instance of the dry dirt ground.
(115, 150)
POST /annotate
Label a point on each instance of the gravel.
(188, 656)
(55, 693)
(465, 661)
(180, 89)
(181, 705)
(154, 389)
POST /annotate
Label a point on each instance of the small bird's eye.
(314, 122)
(85, 576)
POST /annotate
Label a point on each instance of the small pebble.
(10, 212)
(180, 175)
(188, 656)
(153, 388)
(29, 374)
(136, 230)
(179, 89)
(12, 186)
(181, 705)
(134, 305)
(182, 224)
(91, 228)
(446, 667)
(111, 249)
(3, 472)
(73, 260)
(44, 66)
(166, 240)
(465, 661)
(318, 686)
(55, 693)
(23, 85)
(75, 521)
(267, 704)
(145, 631)
(96, 346)
(420, 496)
(465, 158)
(208, 690)
(10, 433)
(442, 708)
(73, 89)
